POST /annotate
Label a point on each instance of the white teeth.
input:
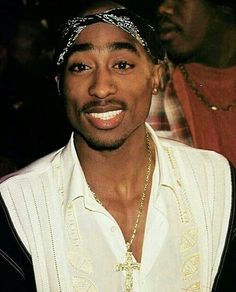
(107, 115)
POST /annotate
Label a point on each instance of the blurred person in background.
(31, 115)
(198, 104)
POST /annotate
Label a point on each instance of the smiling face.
(185, 26)
(107, 83)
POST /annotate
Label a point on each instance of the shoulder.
(40, 166)
(23, 191)
(188, 157)
(208, 168)
(193, 152)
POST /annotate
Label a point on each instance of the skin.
(110, 72)
(195, 31)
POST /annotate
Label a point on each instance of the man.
(117, 209)
(199, 104)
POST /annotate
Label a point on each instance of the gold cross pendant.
(128, 266)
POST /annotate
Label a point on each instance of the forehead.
(102, 33)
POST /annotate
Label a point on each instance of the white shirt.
(76, 244)
(103, 245)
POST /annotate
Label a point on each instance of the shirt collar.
(163, 165)
(73, 182)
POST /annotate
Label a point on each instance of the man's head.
(107, 74)
(190, 28)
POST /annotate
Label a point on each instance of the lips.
(105, 120)
(168, 30)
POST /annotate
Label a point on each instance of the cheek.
(198, 24)
(71, 110)
(198, 30)
(143, 96)
(70, 87)
(73, 93)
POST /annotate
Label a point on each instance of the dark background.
(55, 10)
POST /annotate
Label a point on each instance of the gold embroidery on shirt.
(71, 226)
(77, 254)
(79, 262)
(189, 240)
(82, 284)
(191, 266)
(196, 287)
(180, 192)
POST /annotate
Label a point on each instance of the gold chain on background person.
(200, 96)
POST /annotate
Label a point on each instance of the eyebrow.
(123, 46)
(115, 46)
(79, 48)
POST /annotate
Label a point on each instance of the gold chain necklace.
(129, 264)
(200, 96)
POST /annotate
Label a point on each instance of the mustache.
(89, 106)
(167, 20)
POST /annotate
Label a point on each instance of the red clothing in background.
(214, 130)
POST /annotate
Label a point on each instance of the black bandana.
(120, 17)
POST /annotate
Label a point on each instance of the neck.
(120, 172)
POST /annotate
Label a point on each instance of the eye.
(79, 67)
(123, 65)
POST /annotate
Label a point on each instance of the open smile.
(106, 120)
(106, 115)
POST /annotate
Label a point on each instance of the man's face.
(107, 83)
(184, 26)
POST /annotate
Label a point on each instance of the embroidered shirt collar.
(73, 182)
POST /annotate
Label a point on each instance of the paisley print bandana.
(121, 17)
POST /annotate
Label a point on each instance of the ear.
(158, 73)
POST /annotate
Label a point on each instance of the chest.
(131, 217)
(101, 245)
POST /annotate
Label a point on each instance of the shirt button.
(69, 207)
(113, 228)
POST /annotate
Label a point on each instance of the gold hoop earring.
(155, 91)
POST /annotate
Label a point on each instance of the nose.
(166, 7)
(102, 84)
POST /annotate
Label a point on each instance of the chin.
(102, 144)
(105, 146)
(181, 54)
